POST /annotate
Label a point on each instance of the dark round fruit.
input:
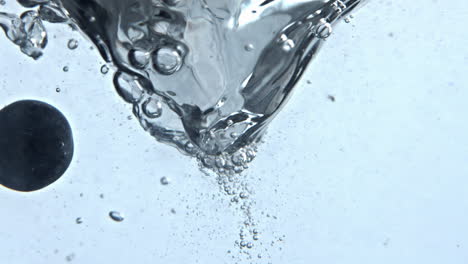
(36, 145)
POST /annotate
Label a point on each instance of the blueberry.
(36, 145)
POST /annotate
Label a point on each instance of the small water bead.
(65, 69)
(164, 181)
(72, 44)
(2, 2)
(249, 47)
(139, 58)
(104, 69)
(57, 89)
(324, 30)
(167, 60)
(116, 216)
(250, 245)
(79, 220)
(152, 108)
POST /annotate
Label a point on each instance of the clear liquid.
(206, 76)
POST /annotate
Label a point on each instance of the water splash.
(204, 76)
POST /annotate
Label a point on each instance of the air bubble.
(164, 181)
(152, 108)
(167, 60)
(249, 47)
(72, 44)
(139, 58)
(116, 216)
(104, 69)
(324, 30)
(128, 87)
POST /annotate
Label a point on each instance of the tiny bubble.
(72, 44)
(164, 181)
(104, 69)
(116, 216)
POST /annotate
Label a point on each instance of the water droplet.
(249, 47)
(104, 69)
(57, 89)
(72, 44)
(79, 220)
(164, 181)
(35, 38)
(65, 69)
(116, 216)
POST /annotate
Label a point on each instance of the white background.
(378, 176)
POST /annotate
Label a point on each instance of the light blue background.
(379, 176)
